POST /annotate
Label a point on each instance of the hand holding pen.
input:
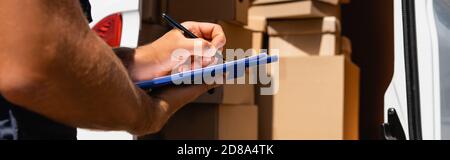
(186, 32)
(189, 34)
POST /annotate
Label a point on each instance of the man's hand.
(159, 58)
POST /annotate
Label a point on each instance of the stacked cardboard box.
(307, 37)
(318, 84)
(317, 99)
(258, 14)
(318, 93)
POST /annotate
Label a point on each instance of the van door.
(414, 108)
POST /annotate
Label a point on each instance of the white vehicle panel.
(432, 49)
(395, 96)
(428, 61)
(131, 27)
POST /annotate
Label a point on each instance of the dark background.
(370, 26)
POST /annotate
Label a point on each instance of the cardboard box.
(304, 26)
(151, 11)
(318, 99)
(151, 32)
(256, 23)
(240, 38)
(333, 2)
(231, 94)
(306, 45)
(213, 122)
(305, 37)
(208, 10)
(257, 15)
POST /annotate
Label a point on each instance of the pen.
(185, 31)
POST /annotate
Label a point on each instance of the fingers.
(218, 37)
(198, 47)
(212, 40)
(193, 27)
(190, 66)
(208, 31)
(196, 63)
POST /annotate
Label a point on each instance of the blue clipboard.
(225, 68)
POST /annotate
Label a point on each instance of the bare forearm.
(54, 65)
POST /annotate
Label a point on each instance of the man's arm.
(53, 64)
